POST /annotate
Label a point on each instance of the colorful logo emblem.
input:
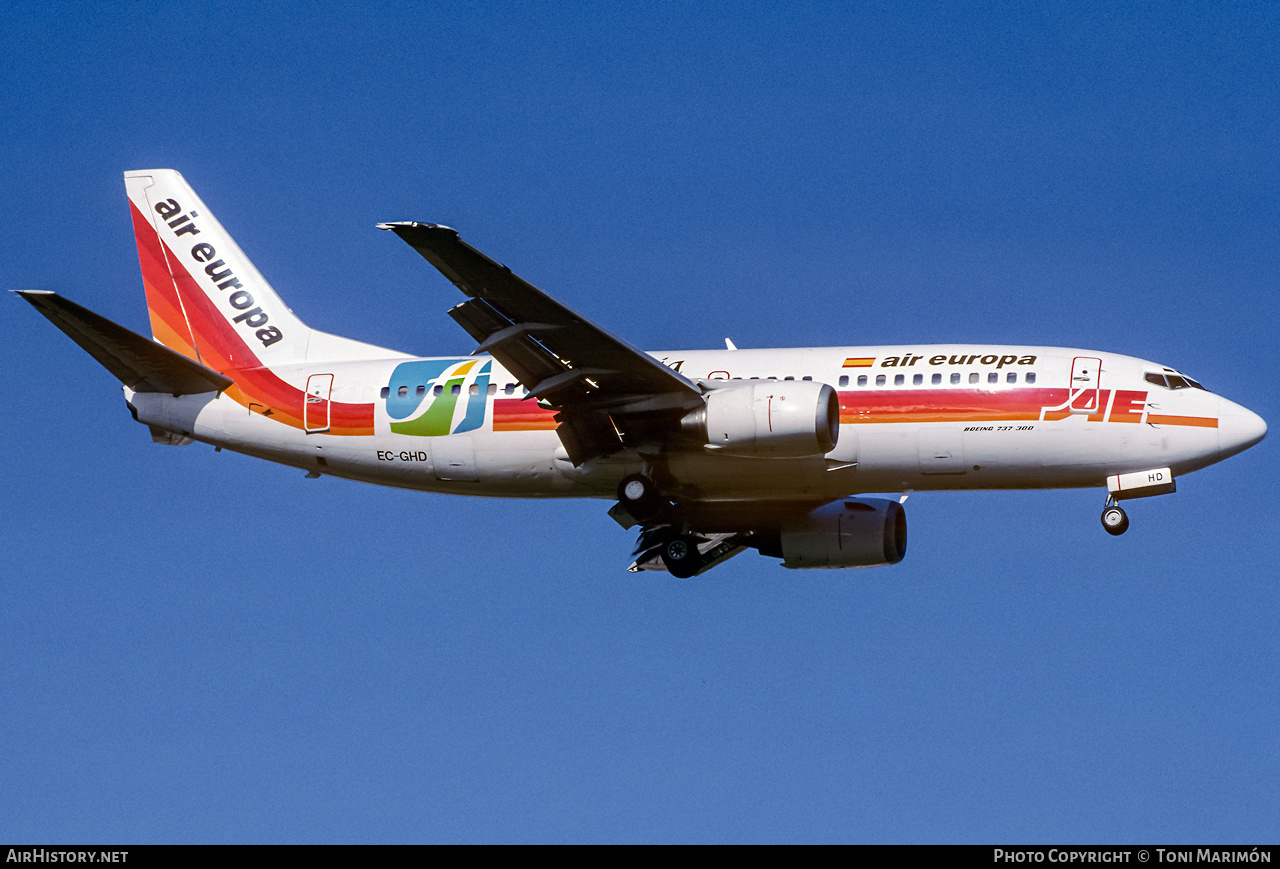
(438, 385)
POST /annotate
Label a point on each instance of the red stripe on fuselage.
(516, 414)
(946, 405)
(1001, 405)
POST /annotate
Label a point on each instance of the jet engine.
(866, 532)
(768, 418)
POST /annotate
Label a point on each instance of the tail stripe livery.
(169, 323)
(186, 318)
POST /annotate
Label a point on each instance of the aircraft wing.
(607, 393)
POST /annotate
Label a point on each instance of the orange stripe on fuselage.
(516, 414)
(1166, 419)
(946, 405)
(1014, 405)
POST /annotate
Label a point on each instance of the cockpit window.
(1171, 380)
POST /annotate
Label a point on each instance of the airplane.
(707, 452)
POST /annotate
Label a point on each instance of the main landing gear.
(681, 557)
(664, 536)
(1114, 519)
(639, 496)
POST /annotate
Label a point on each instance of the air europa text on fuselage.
(999, 361)
(220, 273)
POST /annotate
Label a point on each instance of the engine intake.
(780, 419)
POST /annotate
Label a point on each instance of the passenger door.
(1085, 374)
(315, 412)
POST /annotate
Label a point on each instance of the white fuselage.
(923, 417)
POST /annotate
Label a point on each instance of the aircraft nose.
(1238, 428)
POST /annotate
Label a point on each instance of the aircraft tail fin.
(138, 362)
(205, 298)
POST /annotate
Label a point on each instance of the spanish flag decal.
(859, 362)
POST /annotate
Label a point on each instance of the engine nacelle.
(773, 418)
(856, 533)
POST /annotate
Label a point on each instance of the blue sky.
(203, 647)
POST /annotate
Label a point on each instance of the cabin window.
(844, 380)
(899, 379)
(438, 390)
(918, 379)
(509, 389)
(456, 389)
(955, 377)
(385, 392)
(493, 389)
(807, 377)
(403, 392)
(421, 390)
(473, 389)
(1011, 377)
(936, 379)
(862, 380)
(993, 377)
(973, 377)
(789, 377)
(879, 380)
(1031, 377)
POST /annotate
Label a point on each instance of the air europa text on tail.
(220, 273)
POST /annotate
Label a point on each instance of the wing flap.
(138, 362)
(511, 343)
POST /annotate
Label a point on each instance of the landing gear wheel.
(681, 557)
(639, 496)
(1115, 521)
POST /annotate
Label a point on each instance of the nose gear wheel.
(1114, 520)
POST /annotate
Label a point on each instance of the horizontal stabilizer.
(139, 363)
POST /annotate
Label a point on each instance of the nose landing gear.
(1114, 520)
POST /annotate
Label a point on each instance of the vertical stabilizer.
(205, 298)
(208, 303)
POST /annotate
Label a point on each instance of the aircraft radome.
(708, 452)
